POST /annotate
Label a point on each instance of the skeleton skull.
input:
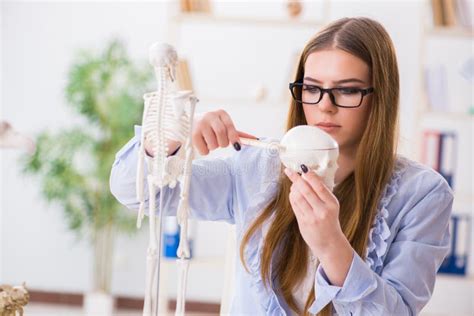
(164, 55)
(313, 147)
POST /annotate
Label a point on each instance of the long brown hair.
(360, 192)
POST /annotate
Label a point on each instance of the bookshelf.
(184, 17)
(449, 116)
(453, 31)
(447, 49)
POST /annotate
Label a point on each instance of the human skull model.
(313, 147)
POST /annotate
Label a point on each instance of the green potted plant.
(73, 164)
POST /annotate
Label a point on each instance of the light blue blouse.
(408, 240)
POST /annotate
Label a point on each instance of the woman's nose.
(326, 104)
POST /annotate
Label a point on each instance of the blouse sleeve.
(210, 193)
(407, 279)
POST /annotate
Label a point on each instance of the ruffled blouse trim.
(380, 231)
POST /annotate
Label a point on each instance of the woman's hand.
(215, 129)
(316, 210)
(317, 213)
(211, 130)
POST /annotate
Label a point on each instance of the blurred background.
(72, 78)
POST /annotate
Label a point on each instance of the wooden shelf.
(242, 102)
(455, 278)
(211, 18)
(450, 32)
(448, 115)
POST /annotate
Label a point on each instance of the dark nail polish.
(304, 168)
(174, 152)
(237, 146)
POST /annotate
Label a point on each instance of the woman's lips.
(328, 127)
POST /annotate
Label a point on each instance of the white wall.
(39, 40)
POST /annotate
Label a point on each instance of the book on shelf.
(456, 262)
(183, 75)
(452, 13)
(439, 152)
(437, 8)
(449, 14)
(202, 6)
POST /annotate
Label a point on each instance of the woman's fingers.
(216, 129)
(209, 137)
(200, 144)
(318, 185)
(305, 189)
(245, 135)
(232, 133)
(293, 176)
(300, 206)
(295, 207)
(220, 132)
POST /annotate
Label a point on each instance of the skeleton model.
(167, 116)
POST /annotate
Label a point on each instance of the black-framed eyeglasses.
(344, 97)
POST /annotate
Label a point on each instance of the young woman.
(370, 247)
